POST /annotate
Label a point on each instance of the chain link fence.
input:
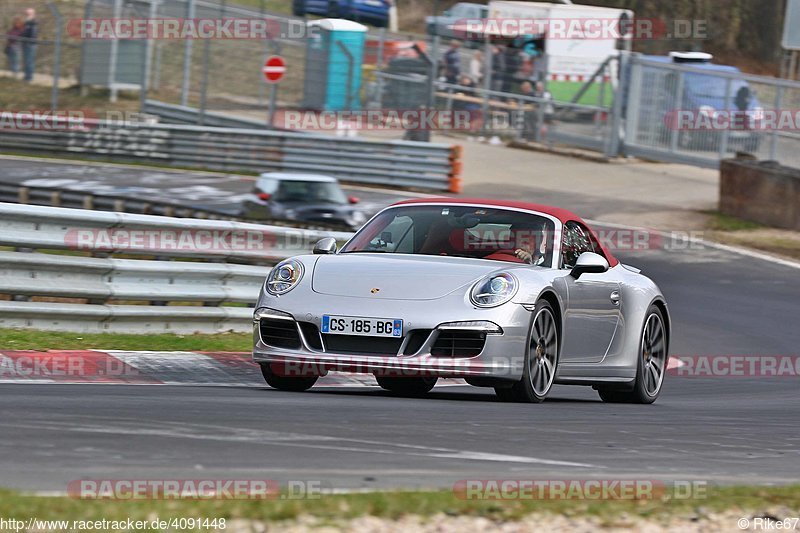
(632, 105)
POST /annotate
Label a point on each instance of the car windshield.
(327, 192)
(460, 231)
(714, 87)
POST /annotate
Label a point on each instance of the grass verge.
(738, 232)
(395, 504)
(27, 339)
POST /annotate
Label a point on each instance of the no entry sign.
(274, 68)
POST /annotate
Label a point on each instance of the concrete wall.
(760, 191)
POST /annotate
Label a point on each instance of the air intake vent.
(416, 338)
(279, 333)
(458, 343)
(311, 335)
(358, 345)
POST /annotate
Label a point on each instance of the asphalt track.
(203, 190)
(720, 430)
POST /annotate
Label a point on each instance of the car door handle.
(615, 297)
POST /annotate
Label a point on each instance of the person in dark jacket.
(452, 62)
(12, 49)
(30, 32)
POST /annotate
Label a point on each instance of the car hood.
(396, 276)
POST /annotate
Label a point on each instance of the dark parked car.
(375, 12)
(304, 197)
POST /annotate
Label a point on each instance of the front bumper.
(501, 355)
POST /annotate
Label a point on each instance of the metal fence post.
(112, 63)
(187, 58)
(632, 103)
(487, 81)
(673, 142)
(613, 146)
(57, 55)
(773, 145)
(723, 146)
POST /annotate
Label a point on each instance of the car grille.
(279, 333)
(359, 345)
(458, 343)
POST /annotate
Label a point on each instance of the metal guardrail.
(106, 287)
(393, 163)
(178, 114)
(82, 199)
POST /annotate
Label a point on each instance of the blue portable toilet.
(334, 57)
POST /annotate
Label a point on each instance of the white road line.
(711, 244)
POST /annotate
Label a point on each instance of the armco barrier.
(178, 114)
(392, 163)
(110, 286)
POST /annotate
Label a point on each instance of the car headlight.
(494, 290)
(284, 277)
(290, 213)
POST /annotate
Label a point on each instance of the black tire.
(286, 383)
(545, 349)
(642, 390)
(409, 386)
(298, 8)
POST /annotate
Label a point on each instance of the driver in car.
(530, 244)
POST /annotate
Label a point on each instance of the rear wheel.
(410, 386)
(651, 365)
(541, 361)
(287, 383)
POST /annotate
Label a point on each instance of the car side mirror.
(589, 263)
(325, 246)
(265, 196)
(353, 199)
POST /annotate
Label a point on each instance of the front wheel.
(651, 364)
(286, 383)
(541, 361)
(411, 386)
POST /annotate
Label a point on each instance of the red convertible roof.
(563, 215)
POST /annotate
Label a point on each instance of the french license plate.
(358, 325)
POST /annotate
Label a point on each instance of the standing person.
(498, 68)
(476, 67)
(30, 33)
(512, 63)
(452, 63)
(12, 48)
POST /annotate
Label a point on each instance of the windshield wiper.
(365, 252)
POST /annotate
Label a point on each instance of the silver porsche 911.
(508, 295)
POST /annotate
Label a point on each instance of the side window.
(397, 236)
(574, 242)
